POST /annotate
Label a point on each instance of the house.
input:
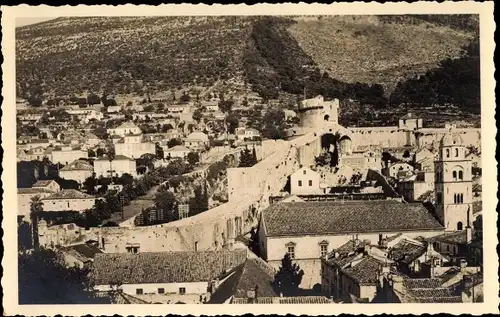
(67, 154)
(423, 154)
(475, 158)
(133, 146)
(176, 151)
(457, 245)
(211, 106)
(119, 165)
(91, 140)
(78, 170)
(410, 122)
(80, 255)
(196, 141)
(177, 109)
(254, 277)
(68, 199)
(185, 276)
(124, 129)
(24, 197)
(49, 185)
(308, 230)
(398, 170)
(305, 181)
(415, 187)
(85, 115)
(247, 134)
(37, 143)
(113, 109)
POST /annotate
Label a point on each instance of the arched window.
(454, 175)
(455, 198)
(461, 175)
(460, 226)
(456, 152)
(461, 198)
(326, 117)
(447, 152)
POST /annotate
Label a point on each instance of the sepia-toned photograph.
(250, 159)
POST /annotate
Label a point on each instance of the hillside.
(348, 57)
(74, 55)
(373, 49)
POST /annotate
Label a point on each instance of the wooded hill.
(365, 58)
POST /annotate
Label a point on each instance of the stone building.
(309, 230)
(305, 181)
(124, 129)
(67, 154)
(453, 184)
(189, 277)
(78, 170)
(118, 166)
(132, 146)
(68, 199)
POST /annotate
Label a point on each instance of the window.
(161, 291)
(454, 175)
(456, 152)
(310, 183)
(447, 152)
(182, 290)
(291, 252)
(461, 175)
(300, 183)
(460, 226)
(304, 172)
(323, 249)
(138, 291)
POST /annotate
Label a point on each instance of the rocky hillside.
(379, 50)
(355, 57)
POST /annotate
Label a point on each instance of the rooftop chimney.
(463, 265)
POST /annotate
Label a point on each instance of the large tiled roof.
(164, 267)
(250, 275)
(69, 194)
(303, 218)
(78, 165)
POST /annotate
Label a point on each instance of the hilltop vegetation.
(375, 60)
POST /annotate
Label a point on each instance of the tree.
(247, 158)
(288, 277)
(89, 185)
(174, 142)
(43, 278)
(161, 106)
(226, 106)
(165, 201)
(166, 127)
(233, 121)
(126, 179)
(274, 124)
(197, 115)
(185, 98)
(193, 158)
(36, 208)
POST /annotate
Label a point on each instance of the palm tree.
(36, 207)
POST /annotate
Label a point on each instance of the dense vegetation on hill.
(456, 81)
(363, 58)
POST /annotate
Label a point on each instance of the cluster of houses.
(359, 248)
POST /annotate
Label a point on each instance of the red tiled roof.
(303, 218)
(164, 267)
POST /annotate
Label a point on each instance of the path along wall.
(395, 137)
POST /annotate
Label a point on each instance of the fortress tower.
(453, 186)
(316, 113)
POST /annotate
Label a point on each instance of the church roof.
(339, 218)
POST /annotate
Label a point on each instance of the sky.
(28, 21)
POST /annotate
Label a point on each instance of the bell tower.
(453, 183)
